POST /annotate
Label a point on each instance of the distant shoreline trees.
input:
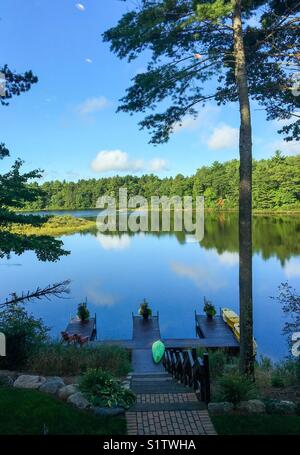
(276, 186)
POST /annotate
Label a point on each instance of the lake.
(171, 270)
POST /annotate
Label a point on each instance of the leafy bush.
(217, 362)
(102, 389)
(235, 388)
(265, 363)
(61, 360)
(277, 381)
(24, 335)
(286, 372)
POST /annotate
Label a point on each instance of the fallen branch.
(54, 290)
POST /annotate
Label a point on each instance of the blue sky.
(67, 125)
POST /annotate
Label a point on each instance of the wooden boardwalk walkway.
(163, 407)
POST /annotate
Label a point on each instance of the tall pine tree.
(195, 41)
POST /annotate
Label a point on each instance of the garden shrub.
(102, 389)
(234, 388)
(217, 362)
(24, 334)
(277, 381)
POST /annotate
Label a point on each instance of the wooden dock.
(144, 333)
(211, 334)
(87, 329)
(215, 332)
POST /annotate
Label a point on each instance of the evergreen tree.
(193, 41)
(15, 192)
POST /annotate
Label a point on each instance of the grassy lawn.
(251, 425)
(26, 412)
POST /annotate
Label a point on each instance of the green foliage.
(173, 32)
(24, 334)
(287, 372)
(265, 364)
(56, 359)
(289, 299)
(28, 411)
(256, 425)
(209, 308)
(277, 381)
(145, 310)
(53, 226)
(82, 312)
(281, 374)
(276, 186)
(102, 389)
(218, 360)
(16, 83)
(212, 11)
(15, 191)
(234, 388)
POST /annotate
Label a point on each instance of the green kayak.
(158, 350)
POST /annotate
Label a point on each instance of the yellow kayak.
(233, 321)
(230, 317)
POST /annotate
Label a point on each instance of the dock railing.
(189, 369)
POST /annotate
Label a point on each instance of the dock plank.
(84, 329)
(216, 331)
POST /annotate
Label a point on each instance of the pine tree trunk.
(245, 198)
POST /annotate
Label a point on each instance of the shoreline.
(207, 209)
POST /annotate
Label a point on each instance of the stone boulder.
(52, 385)
(26, 381)
(78, 400)
(217, 409)
(252, 407)
(5, 380)
(66, 391)
(108, 412)
(283, 407)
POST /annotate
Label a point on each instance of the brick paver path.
(164, 407)
(169, 423)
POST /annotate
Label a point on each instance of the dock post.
(206, 378)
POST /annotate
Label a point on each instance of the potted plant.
(145, 310)
(83, 313)
(209, 309)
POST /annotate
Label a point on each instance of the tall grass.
(54, 226)
(62, 360)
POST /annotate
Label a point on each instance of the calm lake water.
(172, 271)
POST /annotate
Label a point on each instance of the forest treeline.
(276, 186)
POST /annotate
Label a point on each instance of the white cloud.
(228, 258)
(202, 277)
(92, 105)
(119, 161)
(158, 164)
(223, 137)
(100, 298)
(206, 117)
(292, 268)
(187, 123)
(115, 160)
(89, 60)
(114, 242)
(289, 148)
(80, 6)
